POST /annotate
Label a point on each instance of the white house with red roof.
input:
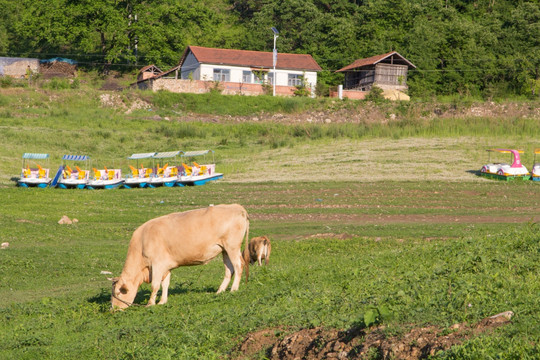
(236, 72)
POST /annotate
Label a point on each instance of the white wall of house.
(243, 74)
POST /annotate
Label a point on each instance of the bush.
(56, 84)
(6, 81)
(375, 95)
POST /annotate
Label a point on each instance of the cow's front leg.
(165, 288)
(157, 276)
(259, 257)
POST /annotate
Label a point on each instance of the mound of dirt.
(357, 343)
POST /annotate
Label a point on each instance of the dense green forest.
(488, 48)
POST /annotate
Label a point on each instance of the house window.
(271, 78)
(295, 80)
(222, 75)
(246, 77)
(258, 77)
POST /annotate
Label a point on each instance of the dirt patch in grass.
(358, 343)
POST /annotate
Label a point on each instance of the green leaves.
(377, 315)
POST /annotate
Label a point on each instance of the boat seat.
(202, 168)
(41, 172)
(110, 173)
(148, 172)
(67, 172)
(134, 171)
(27, 172)
(188, 169)
(161, 170)
(81, 174)
(174, 171)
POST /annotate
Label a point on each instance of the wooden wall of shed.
(391, 74)
(359, 79)
(386, 76)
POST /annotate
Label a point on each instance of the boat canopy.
(35, 156)
(505, 151)
(196, 153)
(76, 157)
(141, 156)
(162, 155)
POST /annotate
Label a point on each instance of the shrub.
(6, 81)
(375, 95)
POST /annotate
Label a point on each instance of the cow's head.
(123, 294)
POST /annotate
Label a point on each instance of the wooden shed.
(148, 72)
(387, 71)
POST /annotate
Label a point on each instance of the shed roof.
(250, 58)
(151, 68)
(394, 55)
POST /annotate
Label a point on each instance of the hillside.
(479, 48)
(300, 136)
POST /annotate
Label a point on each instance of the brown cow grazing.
(259, 248)
(181, 239)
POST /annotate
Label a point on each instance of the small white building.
(238, 71)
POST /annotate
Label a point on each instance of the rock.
(4, 245)
(507, 315)
(65, 220)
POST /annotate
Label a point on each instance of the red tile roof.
(254, 59)
(374, 60)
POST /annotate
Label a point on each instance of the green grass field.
(361, 217)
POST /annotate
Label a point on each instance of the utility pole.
(274, 60)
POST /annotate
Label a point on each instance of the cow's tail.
(246, 250)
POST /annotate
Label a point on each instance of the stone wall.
(17, 67)
(350, 94)
(200, 87)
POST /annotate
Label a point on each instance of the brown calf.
(259, 248)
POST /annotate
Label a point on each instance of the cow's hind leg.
(229, 270)
(236, 260)
(165, 288)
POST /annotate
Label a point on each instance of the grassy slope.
(77, 122)
(55, 299)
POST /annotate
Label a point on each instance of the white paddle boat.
(35, 176)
